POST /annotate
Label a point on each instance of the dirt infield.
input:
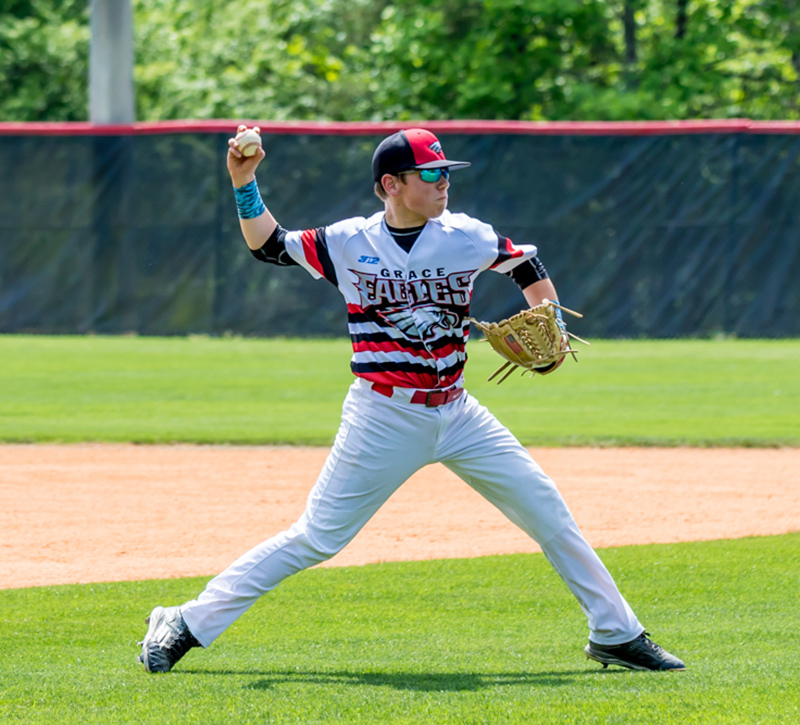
(88, 513)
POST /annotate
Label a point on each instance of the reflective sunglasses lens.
(433, 175)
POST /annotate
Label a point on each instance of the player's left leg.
(481, 451)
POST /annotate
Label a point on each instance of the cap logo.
(436, 147)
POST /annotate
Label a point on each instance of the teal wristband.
(249, 203)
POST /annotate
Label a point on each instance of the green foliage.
(734, 60)
(542, 60)
(278, 59)
(679, 392)
(490, 640)
(486, 58)
(407, 59)
(44, 60)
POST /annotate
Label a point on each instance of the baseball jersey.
(407, 311)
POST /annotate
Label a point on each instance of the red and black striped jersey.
(407, 311)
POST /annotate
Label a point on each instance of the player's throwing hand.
(241, 166)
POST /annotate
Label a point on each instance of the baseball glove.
(535, 339)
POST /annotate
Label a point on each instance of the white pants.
(381, 442)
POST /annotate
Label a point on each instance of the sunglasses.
(431, 176)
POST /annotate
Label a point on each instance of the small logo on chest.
(364, 259)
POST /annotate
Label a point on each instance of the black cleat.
(167, 640)
(639, 654)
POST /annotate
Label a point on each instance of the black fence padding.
(649, 236)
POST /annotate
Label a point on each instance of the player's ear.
(390, 184)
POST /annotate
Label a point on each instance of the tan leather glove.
(534, 339)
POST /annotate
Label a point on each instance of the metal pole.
(729, 297)
(111, 96)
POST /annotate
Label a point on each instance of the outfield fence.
(651, 229)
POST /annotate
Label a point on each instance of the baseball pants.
(381, 442)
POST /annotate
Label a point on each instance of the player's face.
(426, 199)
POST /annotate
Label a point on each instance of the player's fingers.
(241, 128)
(233, 148)
(257, 129)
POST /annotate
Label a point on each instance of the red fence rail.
(345, 128)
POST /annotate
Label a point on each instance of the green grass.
(682, 392)
(488, 640)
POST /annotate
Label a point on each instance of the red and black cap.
(414, 148)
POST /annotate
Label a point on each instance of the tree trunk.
(680, 21)
(629, 22)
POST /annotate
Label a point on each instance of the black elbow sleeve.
(273, 251)
(528, 272)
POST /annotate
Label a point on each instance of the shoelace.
(644, 642)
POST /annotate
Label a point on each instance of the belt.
(428, 398)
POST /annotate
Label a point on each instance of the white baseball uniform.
(407, 408)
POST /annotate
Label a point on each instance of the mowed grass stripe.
(278, 391)
(494, 640)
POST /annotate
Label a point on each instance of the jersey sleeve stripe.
(324, 257)
(316, 253)
(309, 237)
(506, 250)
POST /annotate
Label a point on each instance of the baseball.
(249, 142)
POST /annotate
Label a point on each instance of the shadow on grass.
(419, 682)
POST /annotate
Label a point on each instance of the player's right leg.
(379, 445)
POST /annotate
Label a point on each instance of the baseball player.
(406, 274)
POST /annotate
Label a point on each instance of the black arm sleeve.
(528, 272)
(274, 250)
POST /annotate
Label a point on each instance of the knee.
(320, 545)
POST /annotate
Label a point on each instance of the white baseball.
(249, 142)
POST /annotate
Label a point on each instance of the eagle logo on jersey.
(420, 323)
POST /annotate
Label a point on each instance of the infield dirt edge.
(121, 512)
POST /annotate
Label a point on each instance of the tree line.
(346, 60)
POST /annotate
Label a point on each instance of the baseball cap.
(412, 148)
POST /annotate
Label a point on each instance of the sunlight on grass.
(494, 639)
(206, 390)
